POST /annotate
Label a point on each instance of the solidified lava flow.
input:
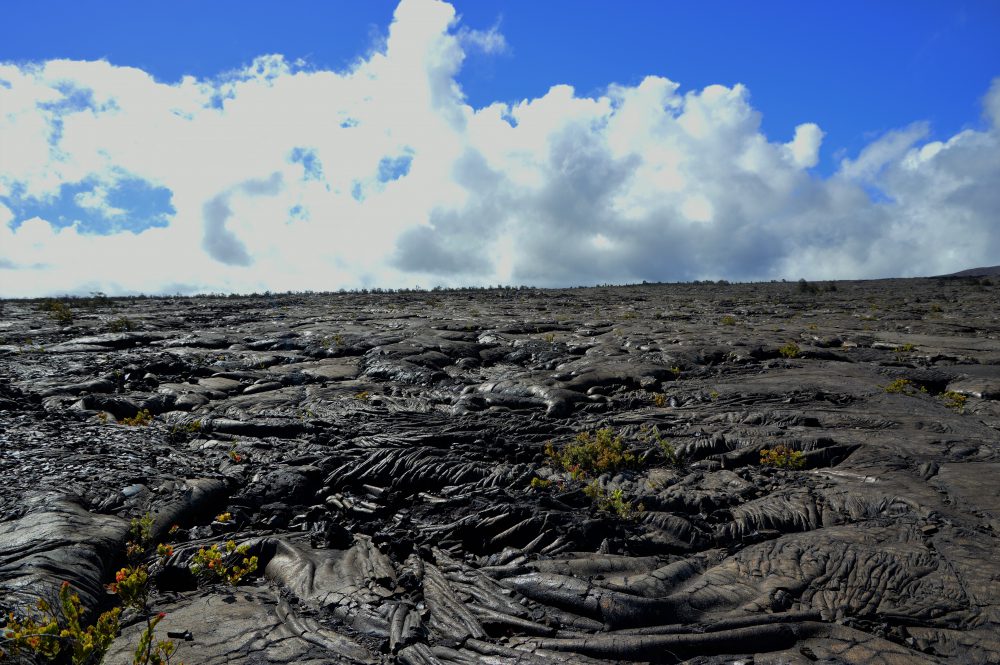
(520, 476)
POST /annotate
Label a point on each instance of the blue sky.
(849, 92)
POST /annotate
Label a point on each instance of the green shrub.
(790, 350)
(141, 419)
(613, 502)
(592, 454)
(59, 311)
(904, 387)
(121, 324)
(782, 457)
(665, 448)
(57, 632)
(954, 400)
(212, 563)
(539, 484)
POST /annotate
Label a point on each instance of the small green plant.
(905, 348)
(141, 419)
(660, 400)
(212, 563)
(954, 400)
(728, 320)
(362, 396)
(540, 484)
(133, 586)
(653, 437)
(549, 337)
(904, 387)
(59, 311)
(675, 370)
(148, 651)
(668, 452)
(790, 350)
(56, 632)
(782, 457)
(121, 324)
(224, 517)
(61, 636)
(141, 530)
(183, 431)
(592, 454)
(613, 502)
(713, 394)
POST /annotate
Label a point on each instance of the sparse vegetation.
(141, 419)
(59, 311)
(660, 400)
(807, 287)
(56, 631)
(903, 387)
(182, 431)
(592, 454)
(790, 350)
(954, 400)
(782, 457)
(653, 437)
(728, 320)
(121, 324)
(540, 484)
(214, 564)
(613, 502)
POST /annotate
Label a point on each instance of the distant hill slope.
(991, 271)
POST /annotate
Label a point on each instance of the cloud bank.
(283, 177)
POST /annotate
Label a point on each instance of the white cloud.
(283, 178)
(489, 41)
(804, 147)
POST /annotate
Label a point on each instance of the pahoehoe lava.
(377, 450)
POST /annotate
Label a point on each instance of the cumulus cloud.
(281, 177)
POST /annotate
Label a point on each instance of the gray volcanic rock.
(388, 457)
